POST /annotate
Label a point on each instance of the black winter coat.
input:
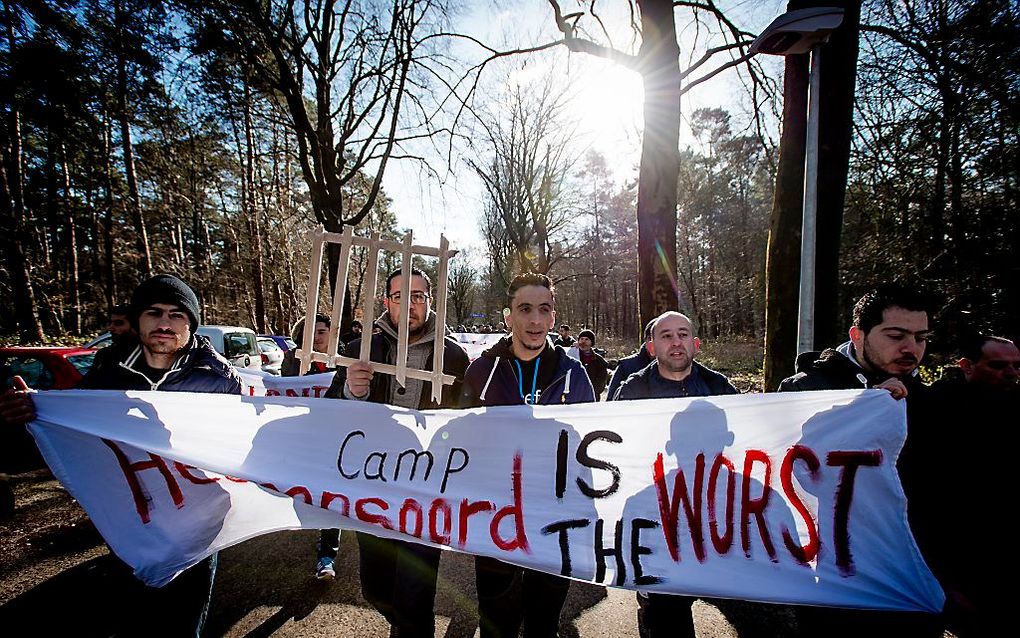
(198, 368)
(491, 379)
(649, 384)
(626, 367)
(384, 350)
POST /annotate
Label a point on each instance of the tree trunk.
(72, 247)
(783, 251)
(660, 161)
(251, 210)
(13, 209)
(108, 272)
(134, 203)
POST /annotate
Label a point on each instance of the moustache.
(907, 360)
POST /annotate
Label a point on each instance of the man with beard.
(167, 356)
(965, 416)
(397, 577)
(887, 341)
(674, 373)
(523, 369)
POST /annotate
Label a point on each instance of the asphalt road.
(265, 587)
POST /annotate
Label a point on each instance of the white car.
(238, 345)
(272, 355)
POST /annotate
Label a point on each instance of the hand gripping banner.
(786, 498)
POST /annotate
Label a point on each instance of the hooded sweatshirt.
(498, 377)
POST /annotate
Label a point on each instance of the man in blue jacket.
(523, 369)
(167, 356)
(629, 365)
(674, 373)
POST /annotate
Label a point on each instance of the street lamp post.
(793, 33)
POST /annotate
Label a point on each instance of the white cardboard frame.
(374, 244)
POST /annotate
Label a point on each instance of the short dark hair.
(297, 333)
(356, 323)
(972, 347)
(120, 309)
(564, 326)
(528, 279)
(869, 308)
(415, 272)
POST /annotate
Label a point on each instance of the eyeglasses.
(417, 297)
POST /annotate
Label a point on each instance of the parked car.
(272, 355)
(237, 344)
(284, 342)
(45, 368)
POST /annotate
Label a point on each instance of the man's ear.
(856, 336)
(966, 365)
(651, 348)
(697, 345)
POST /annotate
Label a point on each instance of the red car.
(45, 368)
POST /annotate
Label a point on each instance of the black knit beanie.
(587, 333)
(165, 289)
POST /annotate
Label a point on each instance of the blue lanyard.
(520, 381)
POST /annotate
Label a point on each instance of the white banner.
(790, 498)
(475, 343)
(259, 384)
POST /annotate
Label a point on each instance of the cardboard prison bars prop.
(347, 240)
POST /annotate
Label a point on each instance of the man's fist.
(16, 406)
(895, 388)
(359, 378)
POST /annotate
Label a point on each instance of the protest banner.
(787, 498)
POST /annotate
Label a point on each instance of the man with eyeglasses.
(397, 577)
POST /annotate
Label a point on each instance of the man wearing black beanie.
(594, 364)
(167, 356)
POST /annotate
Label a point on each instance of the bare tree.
(525, 166)
(343, 72)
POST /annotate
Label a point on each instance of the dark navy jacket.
(198, 368)
(492, 380)
(649, 384)
(626, 367)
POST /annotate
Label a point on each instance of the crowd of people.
(887, 342)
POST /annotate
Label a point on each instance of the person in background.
(564, 340)
(629, 365)
(594, 364)
(291, 366)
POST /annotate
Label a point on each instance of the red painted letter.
(808, 552)
(849, 461)
(131, 471)
(755, 506)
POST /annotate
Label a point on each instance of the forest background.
(205, 138)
